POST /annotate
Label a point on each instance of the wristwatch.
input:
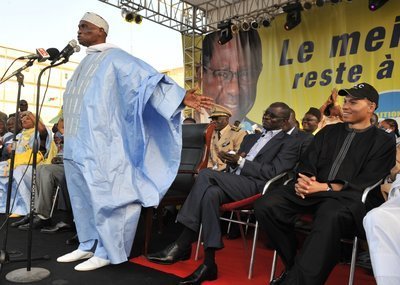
(329, 187)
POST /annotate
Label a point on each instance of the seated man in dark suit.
(262, 156)
(341, 161)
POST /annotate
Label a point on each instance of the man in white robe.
(382, 226)
(122, 144)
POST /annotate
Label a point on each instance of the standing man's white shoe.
(92, 264)
(75, 256)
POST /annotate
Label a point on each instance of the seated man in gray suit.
(260, 158)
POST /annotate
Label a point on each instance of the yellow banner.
(333, 46)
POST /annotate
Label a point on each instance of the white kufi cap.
(96, 20)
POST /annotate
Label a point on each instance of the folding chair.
(238, 207)
(354, 241)
(54, 201)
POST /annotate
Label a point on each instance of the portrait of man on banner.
(231, 71)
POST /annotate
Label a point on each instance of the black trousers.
(211, 189)
(277, 212)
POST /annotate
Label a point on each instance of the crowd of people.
(123, 151)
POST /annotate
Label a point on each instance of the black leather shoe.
(170, 254)
(202, 273)
(73, 240)
(279, 280)
(21, 222)
(38, 223)
(58, 228)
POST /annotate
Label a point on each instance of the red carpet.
(233, 262)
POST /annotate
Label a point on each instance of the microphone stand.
(18, 73)
(4, 256)
(32, 274)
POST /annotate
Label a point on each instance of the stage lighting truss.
(254, 23)
(374, 5)
(131, 16)
(320, 3)
(293, 10)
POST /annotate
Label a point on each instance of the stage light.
(376, 4)
(235, 28)
(225, 32)
(266, 22)
(131, 16)
(245, 25)
(254, 24)
(319, 3)
(293, 17)
(127, 15)
(307, 5)
(138, 19)
(292, 20)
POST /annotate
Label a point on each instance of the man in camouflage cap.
(225, 137)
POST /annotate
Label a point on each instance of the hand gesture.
(229, 158)
(307, 185)
(334, 95)
(9, 148)
(197, 101)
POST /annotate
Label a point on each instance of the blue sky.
(30, 24)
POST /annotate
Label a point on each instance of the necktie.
(219, 135)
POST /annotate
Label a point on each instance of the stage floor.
(54, 245)
(64, 273)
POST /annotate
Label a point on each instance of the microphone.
(71, 47)
(53, 52)
(41, 55)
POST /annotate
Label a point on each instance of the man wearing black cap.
(341, 161)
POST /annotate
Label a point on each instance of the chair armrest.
(272, 180)
(181, 171)
(287, 181)
(368, 189)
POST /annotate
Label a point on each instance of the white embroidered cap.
(96, 20)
